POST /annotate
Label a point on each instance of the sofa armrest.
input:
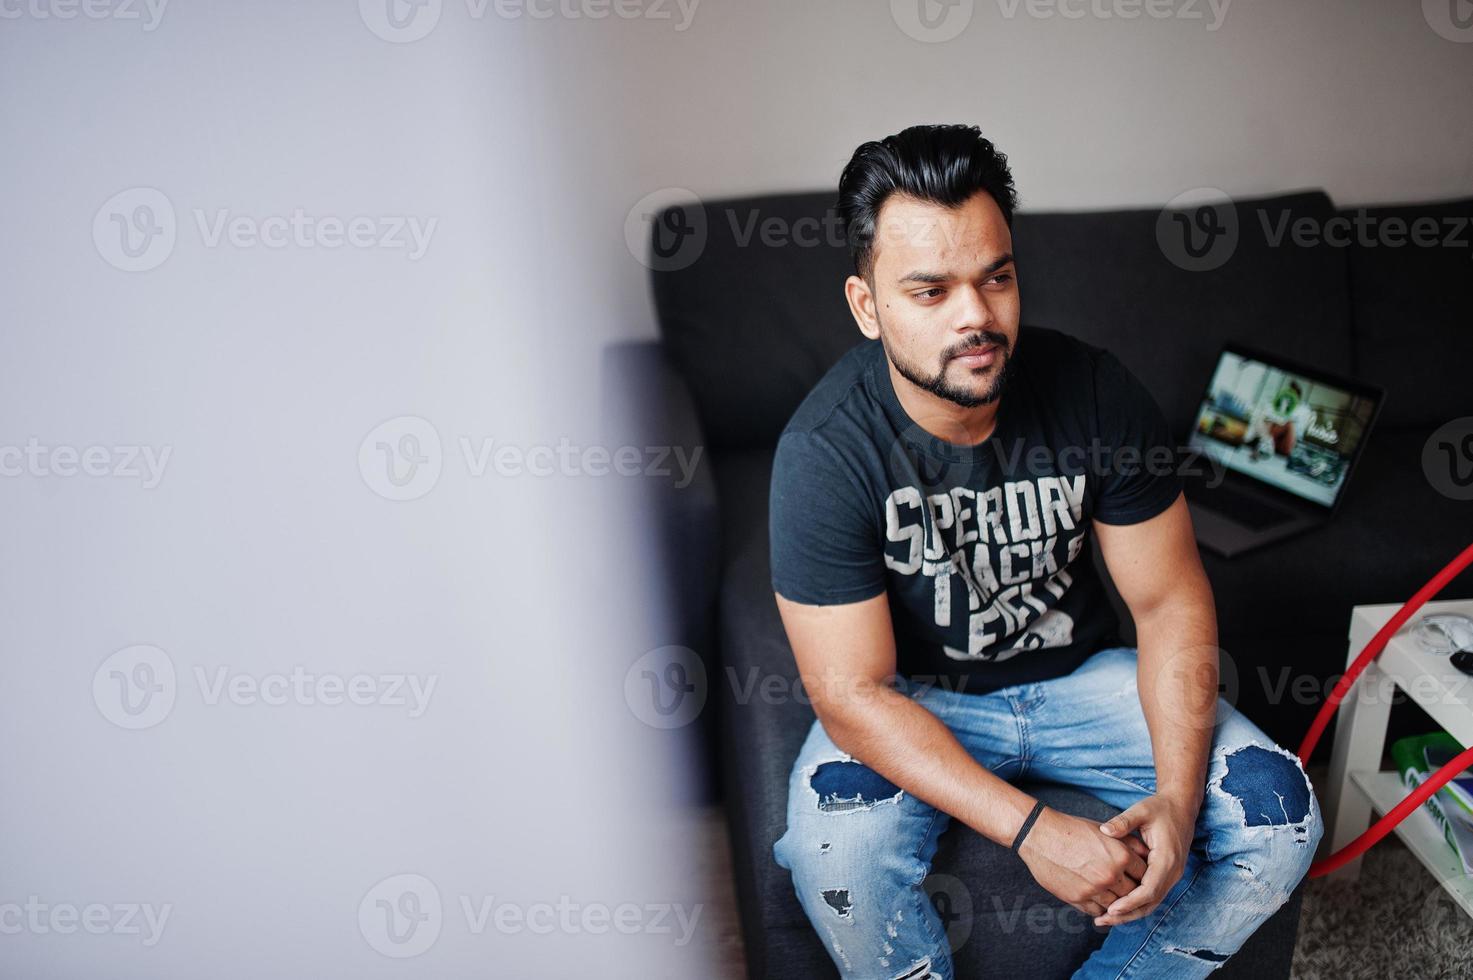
(647, 404)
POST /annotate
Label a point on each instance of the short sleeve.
(825, 548)
(1140, 476)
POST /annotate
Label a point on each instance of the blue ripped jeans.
(859, 848)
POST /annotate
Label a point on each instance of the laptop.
(1281, 441)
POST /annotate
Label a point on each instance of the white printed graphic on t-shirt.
(1001, 542)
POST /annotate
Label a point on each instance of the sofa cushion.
(1412, 308)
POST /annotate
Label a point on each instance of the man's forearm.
(908, 745)
(1177, 677)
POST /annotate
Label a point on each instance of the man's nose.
(974, 313)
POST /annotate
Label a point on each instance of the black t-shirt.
(983, 549)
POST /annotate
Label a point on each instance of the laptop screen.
(1285, 428)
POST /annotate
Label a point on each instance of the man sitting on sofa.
(930, 506)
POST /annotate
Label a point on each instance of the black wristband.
(1027, 825)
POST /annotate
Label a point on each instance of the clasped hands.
(1117, 871)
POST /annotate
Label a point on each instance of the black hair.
(942, 164)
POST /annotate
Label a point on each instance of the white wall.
(1361, 98)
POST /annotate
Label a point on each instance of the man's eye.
(1002, 278)
(931, 293)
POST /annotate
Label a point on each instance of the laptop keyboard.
(1245, 510)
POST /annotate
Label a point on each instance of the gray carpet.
(1395, 921)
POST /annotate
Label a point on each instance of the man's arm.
(1158, 571)
(846, 654)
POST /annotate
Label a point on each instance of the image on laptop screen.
(1280, 427)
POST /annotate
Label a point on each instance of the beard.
(941, 386)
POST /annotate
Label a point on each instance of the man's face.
(944, 296)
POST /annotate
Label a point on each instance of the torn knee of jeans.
(1271, 896)
(1199, 954)
(844, 786)
(838, 900)
(1270, 786)
(920, 971)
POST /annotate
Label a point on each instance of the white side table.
(1357, 787)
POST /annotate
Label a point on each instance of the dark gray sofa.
(750, 324)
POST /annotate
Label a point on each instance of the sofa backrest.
(754, 321)
(1411, 287)
(1116, 279)
(755, 315)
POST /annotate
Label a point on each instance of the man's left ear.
(861, 305)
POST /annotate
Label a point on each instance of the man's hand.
(1078, 864)
(1166, 824)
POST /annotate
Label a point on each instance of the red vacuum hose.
(1373, 649)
